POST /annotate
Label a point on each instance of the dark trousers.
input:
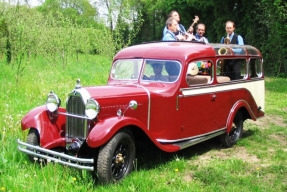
(232, 68)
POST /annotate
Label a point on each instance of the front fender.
(51, 130)
(104, 130)
(234, 110)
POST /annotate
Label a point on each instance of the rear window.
(231, 69)
(255, 67)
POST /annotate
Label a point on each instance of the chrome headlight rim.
(92, 109)
(52, 102)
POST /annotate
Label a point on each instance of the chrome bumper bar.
(71, 161)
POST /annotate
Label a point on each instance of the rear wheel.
(230, 139)
(33, 139)
(115, 159)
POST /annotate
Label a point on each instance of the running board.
(185, 144)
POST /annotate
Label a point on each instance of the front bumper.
(57, 157)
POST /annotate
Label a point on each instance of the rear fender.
(51, 127)
(236, 107)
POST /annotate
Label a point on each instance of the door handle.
(213, 97)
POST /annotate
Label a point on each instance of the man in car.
(200, 30)
(157, 69)
(172, 29)
(233, 37)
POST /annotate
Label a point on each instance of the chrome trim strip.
(82, 92)
(149, 100)
(85, 96)
(189, 143)
(58, 155)
(165, 141)
(72, 115)
(233, 107)
(222, 84)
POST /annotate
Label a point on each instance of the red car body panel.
(51, 128)
(164, 112)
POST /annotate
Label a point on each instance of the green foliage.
(257, 163)
(262, 24)
(53, 34)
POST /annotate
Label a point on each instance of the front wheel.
(230, 139)
(33, 139)
(116, 157)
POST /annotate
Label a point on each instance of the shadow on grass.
(149, 156)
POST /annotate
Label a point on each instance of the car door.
(197, 102)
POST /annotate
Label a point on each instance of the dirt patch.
(230, 153)
(267, 119)
(281, 138)
(188, 177)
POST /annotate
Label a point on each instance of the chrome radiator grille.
(76, 127)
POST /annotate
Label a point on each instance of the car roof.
(183, 50)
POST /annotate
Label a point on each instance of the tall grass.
(257, 163)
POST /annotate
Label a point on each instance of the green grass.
(257, 163)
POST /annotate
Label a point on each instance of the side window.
(161, 70)
(230, 69)
(199, 72)
(255, 67)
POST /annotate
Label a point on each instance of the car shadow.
(150, 156)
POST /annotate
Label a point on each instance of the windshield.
(161, 70)
(153, 70)
(126, 69)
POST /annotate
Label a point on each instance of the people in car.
(157, 69)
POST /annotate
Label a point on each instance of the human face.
(176, 16)
(173, 27)
(229, 28)
(157, 69)
(200, 30)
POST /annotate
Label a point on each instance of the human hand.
(180, 37)
(190, 37)
(190, 29)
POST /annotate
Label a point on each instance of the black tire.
(231, 138)
(115, 159)
(33, 139)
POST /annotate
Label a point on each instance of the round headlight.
(92, 108)
(52, 102)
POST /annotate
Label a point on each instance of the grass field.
(257, 163)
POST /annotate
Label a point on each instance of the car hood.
(114, 91)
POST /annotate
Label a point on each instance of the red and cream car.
(175, 94)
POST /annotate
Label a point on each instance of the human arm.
(240, 40)
(169, 37)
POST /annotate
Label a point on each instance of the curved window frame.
(259, 74)
(131, 77)
(221, 73)
(200, 78)
(166, 75)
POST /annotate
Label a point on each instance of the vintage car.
(174, 94)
